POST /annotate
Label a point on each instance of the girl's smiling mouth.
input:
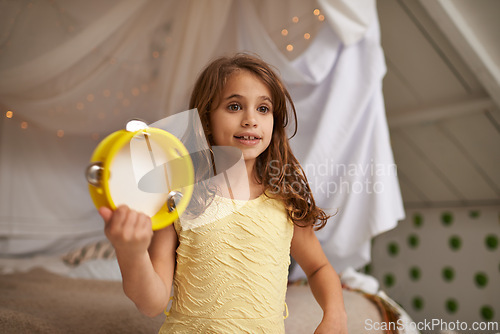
(248, 138)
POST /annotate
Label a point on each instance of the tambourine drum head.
(145, 170)
(123, 182)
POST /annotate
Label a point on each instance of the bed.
(81, 293)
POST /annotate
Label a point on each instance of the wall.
(443, 264)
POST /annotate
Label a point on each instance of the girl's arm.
(323, 280)
(146, 259)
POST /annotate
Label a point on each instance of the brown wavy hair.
(276, 168)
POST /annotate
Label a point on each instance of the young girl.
(230, 275)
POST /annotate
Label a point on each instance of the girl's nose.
(249, 120)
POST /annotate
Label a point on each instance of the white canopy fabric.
(71, 73)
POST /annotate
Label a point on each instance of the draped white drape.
(72, 72)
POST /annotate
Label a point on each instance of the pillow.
(96, 250)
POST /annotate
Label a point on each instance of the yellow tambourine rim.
(109, 147)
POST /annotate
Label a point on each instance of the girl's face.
(244, 116)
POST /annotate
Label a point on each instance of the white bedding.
(99, 269)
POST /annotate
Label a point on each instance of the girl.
(230, 275)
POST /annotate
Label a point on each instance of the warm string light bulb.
(9, 114)
(307, 36)
(135, 91)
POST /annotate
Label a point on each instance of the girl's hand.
(130, 232)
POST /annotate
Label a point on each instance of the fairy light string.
(299, 29)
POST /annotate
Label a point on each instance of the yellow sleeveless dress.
(232, 268)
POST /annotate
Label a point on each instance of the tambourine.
(146, 168)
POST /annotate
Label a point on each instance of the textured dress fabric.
(232, 268)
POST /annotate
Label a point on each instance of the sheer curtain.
(73, 72)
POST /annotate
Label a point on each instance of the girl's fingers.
(144, 222)
(127, 227)
(138, 227)
(129, 224)
(145, 225)
(114, 225)
(106, 213)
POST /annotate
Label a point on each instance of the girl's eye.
(234, 107)
(263, 109)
